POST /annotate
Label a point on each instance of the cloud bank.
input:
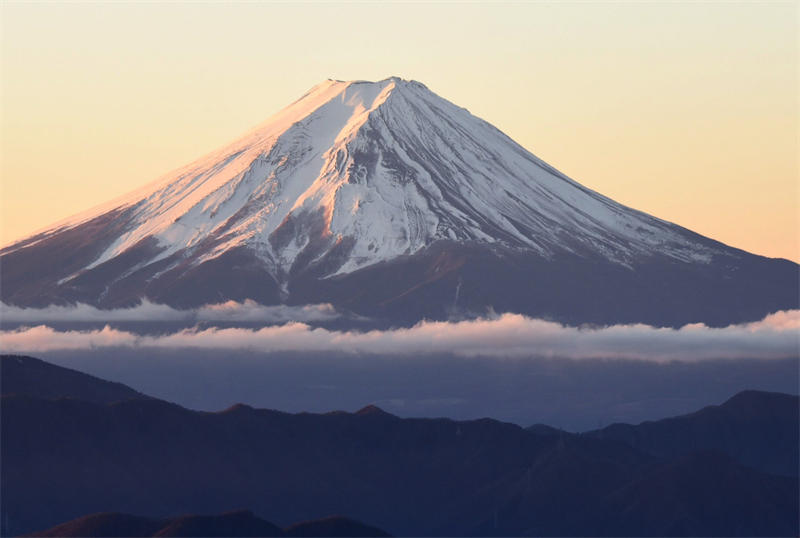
(231, 311)
(509, 335)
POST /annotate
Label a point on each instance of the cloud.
(231, 311)
(252, 311)
(43, 338)
(509, 335)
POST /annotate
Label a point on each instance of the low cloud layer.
(510, 335)
(231, 311)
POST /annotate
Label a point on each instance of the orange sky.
(687, 111)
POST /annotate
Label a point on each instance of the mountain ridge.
(742, 427)
(64, 458)
(238, 523)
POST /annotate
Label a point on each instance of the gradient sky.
(688, 111)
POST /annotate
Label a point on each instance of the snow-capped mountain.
(372, 195)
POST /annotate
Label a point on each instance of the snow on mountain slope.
(382, 169)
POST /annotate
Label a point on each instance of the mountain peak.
(357, 176)
(372, 410)
(339, 173)
(394, 78)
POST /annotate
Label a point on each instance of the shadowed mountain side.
(758, 429)
(704, 494)
(34, 377)
(63, 458)
(448, 279)
(240, 523)
(697, 495)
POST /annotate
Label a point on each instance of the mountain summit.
(385, 199)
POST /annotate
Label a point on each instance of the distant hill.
(105, 525)
(758, 429)
(333, 526)
(63, 458)
(240, 523)
(33, 377)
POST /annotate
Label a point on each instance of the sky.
(688, 111)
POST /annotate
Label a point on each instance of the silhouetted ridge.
(759, 401)
(759, 429)
(334, 526)
(696, 495)
(544, 429)
(64, 458)
(105, 525)
(33, 377)
(240, 523)
(373, 410)
(238, 408)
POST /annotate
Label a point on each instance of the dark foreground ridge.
(67, 457)
(232, 524)
(34, 377)
(751, 427)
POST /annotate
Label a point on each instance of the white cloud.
(509, 335)
(231, 311)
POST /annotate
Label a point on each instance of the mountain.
(696, 495)
(63, 458)
(105, 525)
(232, 524)
(702, 494)
(386, 200)
(34, 377)
(759, 429)
(333, 526)
(239, 523)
